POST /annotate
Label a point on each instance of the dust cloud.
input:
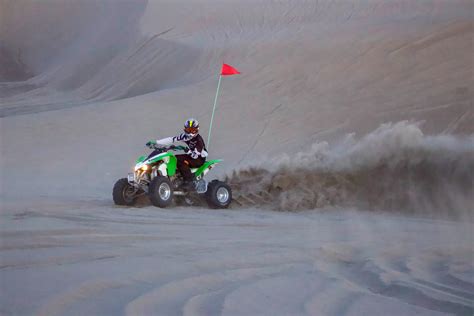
(396, 167)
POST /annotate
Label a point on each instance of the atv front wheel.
(160, 191)
(124, 193)
(218, 195)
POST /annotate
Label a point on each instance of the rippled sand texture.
(108, 261)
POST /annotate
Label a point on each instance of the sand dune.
(344, 109)
(388, 60)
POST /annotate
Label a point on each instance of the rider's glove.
(193, 154)
(150, 143)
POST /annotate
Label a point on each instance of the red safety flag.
(228, 70)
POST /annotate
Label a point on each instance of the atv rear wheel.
(160, 191)
(124, 193)
(218, 195)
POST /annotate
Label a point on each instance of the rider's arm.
(170, 140)
(165, 141)
(181, 138)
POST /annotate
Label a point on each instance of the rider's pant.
(185, 163)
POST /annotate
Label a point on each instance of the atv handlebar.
(163, 149)
(184, 148)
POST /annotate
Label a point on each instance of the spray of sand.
(394, 168)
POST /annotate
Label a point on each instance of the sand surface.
(91, 258)
(348, 135)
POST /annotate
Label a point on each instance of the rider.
(195, 155)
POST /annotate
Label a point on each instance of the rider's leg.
(183, 165)
(196, 163)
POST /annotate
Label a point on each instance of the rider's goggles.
(191, 130)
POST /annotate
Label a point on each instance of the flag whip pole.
(213, 110)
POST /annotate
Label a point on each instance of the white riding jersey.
(195, 144)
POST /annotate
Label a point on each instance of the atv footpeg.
(201, 186)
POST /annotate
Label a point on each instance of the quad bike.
(156, 175)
